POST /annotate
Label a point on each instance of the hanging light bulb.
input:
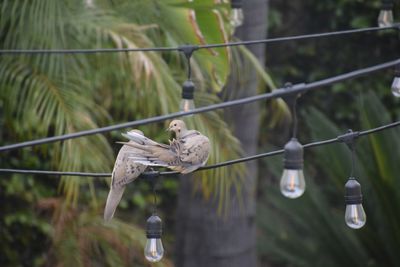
(354, 216)
(187, 102)
(292, 183)
(154, 250)
(385, 17)
(237, 13)
(396, 81)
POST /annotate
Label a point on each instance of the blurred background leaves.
(311, 230)
(316, 221)
(47, 223)
(46, 95)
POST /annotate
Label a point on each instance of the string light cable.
(206, 46)
(292, 182)
(277, 93)
(151, 174)
(187, 101)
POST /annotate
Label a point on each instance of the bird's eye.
(175, 124)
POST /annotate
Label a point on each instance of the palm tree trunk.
(203, 237)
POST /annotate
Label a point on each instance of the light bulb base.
(396, 71)
(236, 3)
(293, 155)
(188, 90)
(387, 5)
(154, 227)
(353, 195)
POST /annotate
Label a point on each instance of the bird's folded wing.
(142, 140)
(156, 156)
(195, 150)
(117, 172)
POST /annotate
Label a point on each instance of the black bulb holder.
(387, 5)
(396, 71)
(352, 194)
(236, 3)
(154, 227)
(188, 90)
(293, 155)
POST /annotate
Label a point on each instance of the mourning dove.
(188, 152)
(125, 171)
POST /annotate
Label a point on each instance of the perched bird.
(125, 171)
(188, 152)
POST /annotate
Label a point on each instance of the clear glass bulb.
(237, 17)
(385, 18)
(154, 250)
(355, 216)
(396, 87)
(293, 184)
(186, 105)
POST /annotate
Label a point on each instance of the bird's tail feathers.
(135, 145)
(113, 199)
(140, 139)
(148, 161)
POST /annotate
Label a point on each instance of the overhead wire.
(339, 139)
(206, 46)
(281, 92)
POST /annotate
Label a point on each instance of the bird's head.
(177, 126)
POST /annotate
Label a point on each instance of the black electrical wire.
(302, 37)
(152, 174)
(179, 48)
(281, 92)
(56, 173)
(379, 129)
(85, 51)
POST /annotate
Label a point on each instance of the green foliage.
(46, 95)
(81, 238)
(55, 94)
(20, 225)
(310, 60)
(311, 231)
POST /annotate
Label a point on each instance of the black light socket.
(387, 5)
(154, 227)
(188, 90)
(293, 155)
(396, 71)
(352, 190)
(236, 4)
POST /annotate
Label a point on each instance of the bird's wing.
(195, 150)
(149, 155)
(124, 172)
(142, 140)
(125, 169)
